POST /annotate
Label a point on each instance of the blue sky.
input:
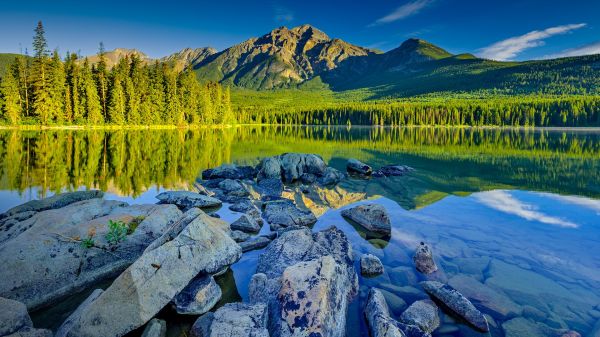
(503, 30)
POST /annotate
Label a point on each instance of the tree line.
(44, 89)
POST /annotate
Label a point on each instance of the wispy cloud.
(588, 49)
(403, 12)
(504, 202)
(511, 47)
(592, 204)
(283, 14)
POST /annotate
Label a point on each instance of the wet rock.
(403, 275)
(269, 168)
(46, 261)
(31, 332)
(53, 202)
(155, 328)
(258, 242)
(378, 316)
(293, 165)
(330, 177)
(370, 265)
(186, 199)
(156, 277)
(234, 320)
(494, 301)
(229, 171)
(283, 213)
(233, 188)
(423, 314)
(203, 190)
(356, 166)
(198, 297)
(373, 217)
(456, 302)
(308, 178)
(395, 303)
(201, 327)
(243, 206)
(423, 259)
(245, 223)
(66, 326)
(13, 316)
(272, 187)
(392, 171)
(521, 327)
(239, 236)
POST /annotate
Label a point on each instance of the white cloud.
(504, 202)
(403, 12)
(592, 204)
(588, 49)
(511, 47)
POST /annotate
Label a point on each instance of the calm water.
(513, 216)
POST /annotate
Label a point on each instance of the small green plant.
(117, 232)
(88, 243)
(133, 224)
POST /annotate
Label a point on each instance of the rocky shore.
(169, 254)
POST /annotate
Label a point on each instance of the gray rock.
(155, 328)
(245, 223)
(423, 259)
(234, 320)
(283, 213)
(233, 188)
(293, 165)
(378, 316)
(330, 176)
(269, 168)
(395, 303)
(53, 202)
(198, 297)
(256, 243)
(356, 166)
(203, 190)
(243, 206)
(185, 199)
(66, 326)
(201, 327)
(370, 265)
(13, 316)
(271, 187)
(403, 275)
(44, 260)
(229, 171)
(239, 236)
(456, 302)
(31, 332)
(308, 178)
(486, 297)
(392, 171)
(156, 277)
(373, 217)
(423, 314)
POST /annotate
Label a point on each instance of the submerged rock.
(423, 259)
(245, 223)
(456, 302)
(233, 320)
(239, 236)
(392, 171)
(283, 213)
(356, 166)
(272, 187)
(156, 277)
(198, 297)
(370, 265)
(186, 199)
(373, 217)
(378, 316)
(229, 171)
(155, 328)
(330, 176)
(423, 314)
(491, 299)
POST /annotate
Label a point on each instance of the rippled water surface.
(513, 216)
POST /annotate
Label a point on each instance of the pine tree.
(11, 99)
(23, 74)
(117, 103)
(90, 99)
(76, 91)
(101, 74)
(42, 101)
(57, 83)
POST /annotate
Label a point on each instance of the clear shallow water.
(512, 215)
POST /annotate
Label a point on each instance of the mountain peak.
(420, 50)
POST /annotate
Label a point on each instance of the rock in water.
(272, 187)
(256, 243)
(150, 283)
(198, 297)
(239, 236)
(283, 213)
(185, 199)
(392, 171)
(155, 328)
(456, 302)
(229, 171)
(423, 259)
(13, 316)
(245, 223)
(489, 298)
(373, 217)
(423, 314)
(356, 166)
(370, 265)
(331, 176)
(53, 202)
(233, 320)
(201, 327)
(378, 316)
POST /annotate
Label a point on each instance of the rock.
(494, 301)
(521, 327)
(269, 168)
(423, 259)
(456, 302)
(229, 171)
(423, 314)
(271, 187)
(356, 166)
(43, 260)
(370, 265)
(239, 236)
(245, 223)
(198, 297)
(257, 243)
(66, 326)
(243, 206)
(234, 320)
(185, 199)
(403, 275)
(283, 213)
(31, 332)
(53, 202)
(373, 217)
(330, 176)
(233, 188)
(395, 303)
(293, 165)
(378, 316)
(203, 190)
(13, 316)
(392, 171)
(314, 298)
(308, 178)
(155, 328)
(156, 277)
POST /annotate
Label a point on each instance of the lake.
(512, 215)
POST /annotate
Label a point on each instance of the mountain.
(112, 57)
(281, 58)
(188, 56)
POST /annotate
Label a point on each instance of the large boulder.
(154, 279)
(43, 258)
(53, 202)
(356, 166)
(456, 302)
(229, 171)
(373, 217)
(186, 199)
(198, 297)
(283, 213)
(423, 314)
(378, 316)
(370, 265)
(292, 167)
(233, 320)
(423, 259)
